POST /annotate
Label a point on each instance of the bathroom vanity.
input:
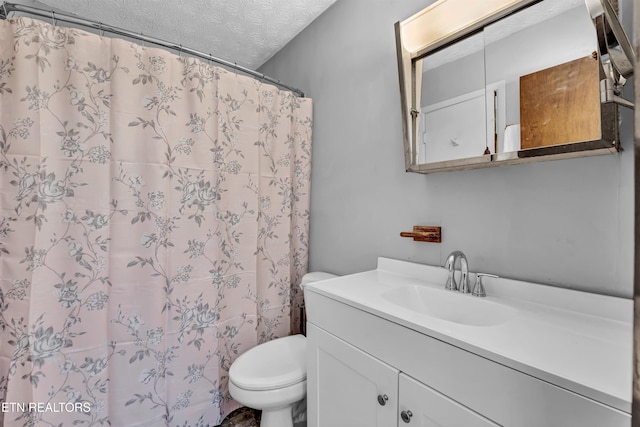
(391, 347)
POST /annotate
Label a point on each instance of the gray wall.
(539, 49)
(566, 223)
(453, 79)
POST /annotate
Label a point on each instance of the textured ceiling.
(247, 32)
(532, 15)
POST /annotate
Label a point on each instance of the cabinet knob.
(406, 416)
(382, 399)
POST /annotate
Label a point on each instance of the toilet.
(272, 377)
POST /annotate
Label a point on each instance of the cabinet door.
(422, 406)
(346, 386)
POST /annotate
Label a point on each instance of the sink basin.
(450, 306)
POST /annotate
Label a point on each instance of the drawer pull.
(382, 399)
(406, 416)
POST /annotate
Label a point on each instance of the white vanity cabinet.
(372, 362)
(350, 388)
(424, 407)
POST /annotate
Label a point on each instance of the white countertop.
(578, 341)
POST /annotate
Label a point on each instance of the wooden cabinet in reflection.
(561, 104)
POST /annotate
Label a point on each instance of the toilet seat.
(275, 364)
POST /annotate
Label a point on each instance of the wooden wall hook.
(422, 233)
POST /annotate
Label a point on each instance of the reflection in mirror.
(547, 54)
(451, 122)
(522, 84)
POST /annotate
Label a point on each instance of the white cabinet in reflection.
(451, 128)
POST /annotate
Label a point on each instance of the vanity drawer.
(500, 393)
(431, 409)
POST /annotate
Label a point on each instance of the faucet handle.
(478, 289)
(451, 284)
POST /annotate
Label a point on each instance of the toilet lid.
(274, 364)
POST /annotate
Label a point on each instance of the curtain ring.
(180, 51)
(53, 18)
(101, 29)
(143, 43)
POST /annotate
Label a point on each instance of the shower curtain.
(153, 224)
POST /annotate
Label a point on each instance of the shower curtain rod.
(7, 8)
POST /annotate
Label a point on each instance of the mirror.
(516, 82)
(452, 92)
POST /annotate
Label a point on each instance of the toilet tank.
(315, 276)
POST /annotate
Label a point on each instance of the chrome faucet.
(450, 264)
(478, 289)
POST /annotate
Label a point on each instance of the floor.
(246, 417)
(243, 417)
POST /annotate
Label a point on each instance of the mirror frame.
(635, 405)
(417, 38)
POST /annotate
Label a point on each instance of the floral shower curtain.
(153, 219)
